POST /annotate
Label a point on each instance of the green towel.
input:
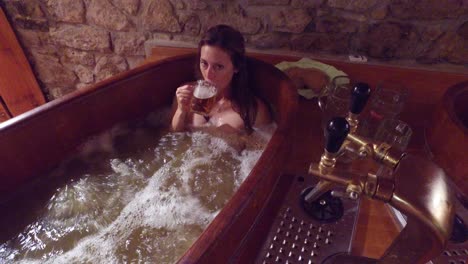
(307, 63)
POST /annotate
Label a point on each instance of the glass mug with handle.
(204, 97)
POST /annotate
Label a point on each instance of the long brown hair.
(242, 94)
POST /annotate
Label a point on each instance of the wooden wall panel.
(18, 86)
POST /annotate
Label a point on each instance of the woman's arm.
(178, 120)
(263, 116)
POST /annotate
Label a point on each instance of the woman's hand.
(184, 95)
(181, 111)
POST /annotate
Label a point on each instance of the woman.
(223, 63)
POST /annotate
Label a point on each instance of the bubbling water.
(138, 194)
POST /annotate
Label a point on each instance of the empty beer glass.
(386, 102)
(336, 100)
(395, 133)
(204, 97)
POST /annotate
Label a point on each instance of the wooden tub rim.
(88, 91)
(449, 103)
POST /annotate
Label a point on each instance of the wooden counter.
(376, 225)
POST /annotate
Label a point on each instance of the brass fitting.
(327, 162)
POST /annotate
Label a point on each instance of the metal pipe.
(421, 193)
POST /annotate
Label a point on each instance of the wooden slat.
(18, 86)
(4, 113)
(162, 52)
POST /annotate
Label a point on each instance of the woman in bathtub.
(222, 62)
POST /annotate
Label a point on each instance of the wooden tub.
(34, 143)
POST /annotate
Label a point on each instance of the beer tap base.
(326, 208)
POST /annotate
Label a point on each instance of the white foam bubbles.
(204, 90)
(121, 214)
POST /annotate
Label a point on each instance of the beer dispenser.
(416, 187)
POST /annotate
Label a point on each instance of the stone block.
(53, 93)
(81, 37)
(312, 42)
(290, 20)
(103, 13)
(128, 6)
(270, 40)
(196, 4)
(135, 61)
(192, 25)
(335, 24)
(306, 3)
(428, 9)
(158, 15)
(85, 74)
(233, 15)
(71, 11)
(73, 56)
(33, 38)
(129, 43)
(355, 5)
(109, 65)
(450, 47)
(268, 2)
(27, 14)
(462, 31)
(51, 72)
(24, 8)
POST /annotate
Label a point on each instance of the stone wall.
(74, 43)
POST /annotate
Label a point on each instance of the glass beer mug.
(204, 97)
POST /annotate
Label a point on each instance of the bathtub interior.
(37, 141)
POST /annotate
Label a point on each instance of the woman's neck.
(225, 94)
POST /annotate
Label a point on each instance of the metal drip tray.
(296, 237)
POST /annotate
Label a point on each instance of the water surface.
(137, 193)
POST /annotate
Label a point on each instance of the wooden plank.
(376, 229)
(18, 86)
(162, 52)
(4, 113)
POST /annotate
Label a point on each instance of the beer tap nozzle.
(335, 134)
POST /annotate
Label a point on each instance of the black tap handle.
(336, 132)
(359, 96)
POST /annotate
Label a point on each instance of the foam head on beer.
(204, 90)
(204, 96)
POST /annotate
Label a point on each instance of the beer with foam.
(204, 97)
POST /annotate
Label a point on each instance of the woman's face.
(216, 67)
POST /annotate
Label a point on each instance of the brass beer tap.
(417, 187)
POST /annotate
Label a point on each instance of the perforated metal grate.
(296, 237)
